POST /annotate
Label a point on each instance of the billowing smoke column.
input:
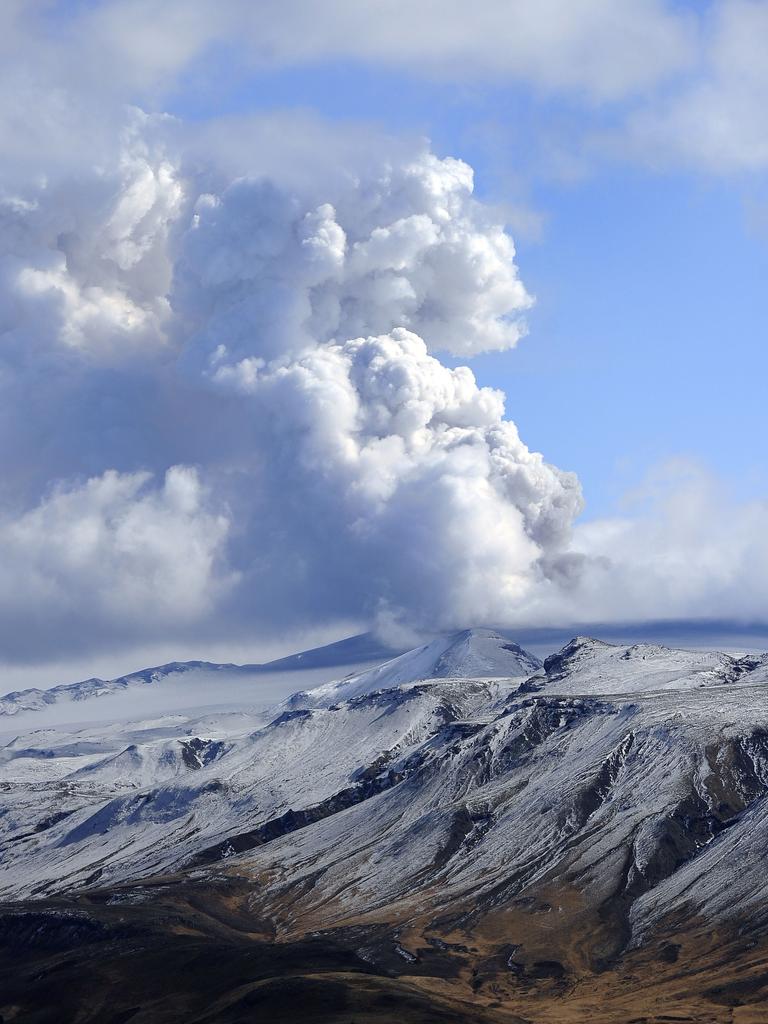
(269, 355)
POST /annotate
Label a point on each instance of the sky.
(657, 241)
(326, 317)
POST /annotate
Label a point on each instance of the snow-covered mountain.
(586, 665)
(460, 809)
(323, 662)
(466, 654)
(36, 699)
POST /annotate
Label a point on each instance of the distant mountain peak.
(588, 665)
(473, 653)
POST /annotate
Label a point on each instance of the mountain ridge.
(352, 650)
(469, 653)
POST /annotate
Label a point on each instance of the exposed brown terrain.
(176, 949)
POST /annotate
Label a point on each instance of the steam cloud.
(245, 421)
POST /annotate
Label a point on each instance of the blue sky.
(646, 341)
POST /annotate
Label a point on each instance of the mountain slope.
(589, 666)
(364, 648)
(466, 654)
(142, 806)
(515, 850)
(356, 651)
(35, 699)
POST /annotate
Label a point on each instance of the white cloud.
(680, 83)
(116, 554)
(82, 258)
(293, 360)
(597, 48)
(287, 350)
(399, 478)
(684, 549)
(262, 274)
(715, 119)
